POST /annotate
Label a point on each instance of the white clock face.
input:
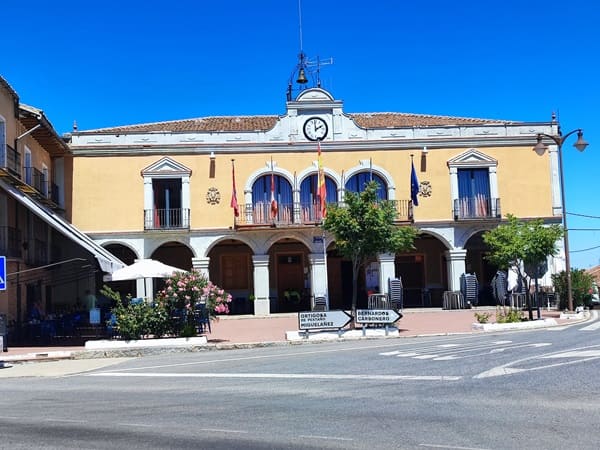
(315, 129)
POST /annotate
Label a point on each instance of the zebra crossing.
(447, 352)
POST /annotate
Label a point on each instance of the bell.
(301, 77)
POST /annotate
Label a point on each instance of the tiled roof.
(264, 123)
(400, 120)
(206, 124)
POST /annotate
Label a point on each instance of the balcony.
(299, 214)
(36, 179)
(167, 219)
(477, 208)
(10, 159)
(10, 242)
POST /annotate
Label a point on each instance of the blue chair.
(202, 318)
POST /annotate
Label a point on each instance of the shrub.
(137, 320)
(508, 315)
(483, 317)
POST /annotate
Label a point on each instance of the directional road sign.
(377, 316)
(311, 320)
(2, 273)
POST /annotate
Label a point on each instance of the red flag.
(234, 203)
(273, 201)
(322, 188)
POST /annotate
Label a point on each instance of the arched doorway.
(478, 264)
(289, 276)
(230, 268)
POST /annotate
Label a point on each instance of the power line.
(583, 215)
(585, 249)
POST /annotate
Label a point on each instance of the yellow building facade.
(164, 191)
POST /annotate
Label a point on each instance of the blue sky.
(106, 63)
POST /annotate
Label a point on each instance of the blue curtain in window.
(474, 192)
(310, 186)
(261, 190)
(473, 182)
(357, 183)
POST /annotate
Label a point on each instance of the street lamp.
(540, 148)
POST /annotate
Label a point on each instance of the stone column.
(201, 265)
(456, 266)
(262, 306)
(387, 270)
(318, 276)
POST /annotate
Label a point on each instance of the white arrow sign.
(377, 316)
(309, 320)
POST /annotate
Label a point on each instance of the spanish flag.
(322, 188)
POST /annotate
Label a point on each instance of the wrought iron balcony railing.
(167, 219)
(11, 160)
(297, 214)
(476, 208)
(10, 242)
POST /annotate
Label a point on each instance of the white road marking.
(54, 419)
(448, 345)
(330, 438)
(592, 327)
(406, 354)
(426, 356)
(312, 376)
(583, 354)
(223, 430)
(290, 354)
(575, 354)
(451, 447)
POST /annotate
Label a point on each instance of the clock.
(315, 129)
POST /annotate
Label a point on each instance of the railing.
(167, 219)
(287, 214)
(478, 207)
(55, 193)
(10, 242)
(11, 159)
(37, 252)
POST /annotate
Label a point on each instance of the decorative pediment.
(166, 167)
(472, 158)
(314, 94)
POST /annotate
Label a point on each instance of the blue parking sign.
(2, 273)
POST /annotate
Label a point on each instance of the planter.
(513, 325)
(146, 343)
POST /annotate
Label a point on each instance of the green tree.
(581, 287)
(363, 227)
(518, 243)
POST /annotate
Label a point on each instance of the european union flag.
(414, 185)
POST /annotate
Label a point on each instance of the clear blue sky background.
(106, 63)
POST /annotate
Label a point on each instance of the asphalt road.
(534, 390)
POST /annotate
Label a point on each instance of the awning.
(108, 262)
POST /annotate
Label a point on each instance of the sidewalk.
(254, 330)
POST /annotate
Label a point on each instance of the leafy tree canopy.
(364, 226)
(520, 241)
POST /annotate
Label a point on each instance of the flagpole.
(322, 202)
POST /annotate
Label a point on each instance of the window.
(474, 186)
(3, 161)
(309, 197)
(474, 192)
(261, 199)
(166, 195)
(357, 183)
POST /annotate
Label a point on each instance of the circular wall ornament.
(213, 197)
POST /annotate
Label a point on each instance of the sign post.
(323, 320)
(2, 273)
(377, 316)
